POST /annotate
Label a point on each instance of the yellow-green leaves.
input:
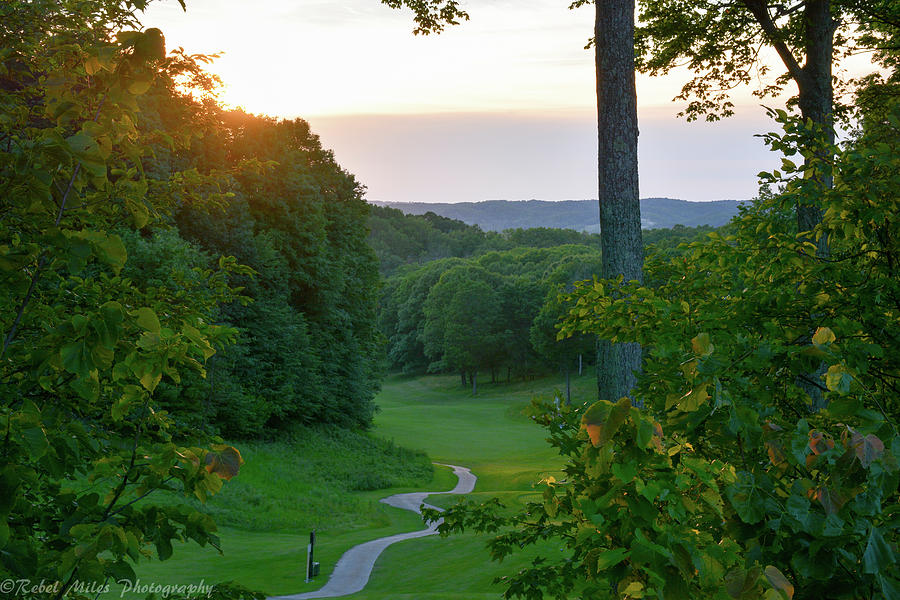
(702, 345)
(838, 379)
(199, 341)
(823, 336)
(603, 419)
(147, 319)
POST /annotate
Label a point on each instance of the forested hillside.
(307, 341)
(400, 239)
(580, 215)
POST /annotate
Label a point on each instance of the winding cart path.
(351, 573)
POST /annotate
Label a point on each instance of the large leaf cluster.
(766, 462)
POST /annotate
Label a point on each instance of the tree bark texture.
(620, 211)
(816, 98)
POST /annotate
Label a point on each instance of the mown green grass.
(489, 434)
(318, 480)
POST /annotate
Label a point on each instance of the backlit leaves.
(603, 419)
(224, 461)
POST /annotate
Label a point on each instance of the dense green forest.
(306, 349)
(266, 195)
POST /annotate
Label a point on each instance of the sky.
(499, 107)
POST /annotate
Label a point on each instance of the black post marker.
(309, 556)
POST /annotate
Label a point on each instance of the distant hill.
(580, 215)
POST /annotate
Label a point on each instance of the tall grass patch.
(307, 479)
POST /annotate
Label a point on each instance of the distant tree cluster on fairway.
(490, 305)
(465, 316)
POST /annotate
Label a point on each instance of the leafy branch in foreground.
(84, 444)
(733, 482)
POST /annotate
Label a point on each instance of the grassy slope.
(282, 494)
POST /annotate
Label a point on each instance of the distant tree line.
(400, 239)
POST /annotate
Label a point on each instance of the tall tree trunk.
(462, 376)
(816, 100)
(620, 210)
(474, 383)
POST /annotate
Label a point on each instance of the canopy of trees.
(488, 310)
(168, 270)
(400, 239)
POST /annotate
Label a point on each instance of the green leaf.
(147, 319)
(76, 358)
(163, 546)
(113, 253)
(35, 442)
(194, 335)
(139, 87)
(132, 395)
(109, 326)
(644, 433)
(702, 345)
(739, 582)
(890, 587)
(693, 399)
(139, 213)
(4, 533)
(878, 556)
(625, 472)
(778, 581)
(610, 558)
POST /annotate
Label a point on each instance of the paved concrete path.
(351, 573)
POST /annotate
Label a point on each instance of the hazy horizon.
(501, 106)
(370, 201)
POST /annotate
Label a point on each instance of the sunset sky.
(500, 107)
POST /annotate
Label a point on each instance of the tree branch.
(760, 11)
